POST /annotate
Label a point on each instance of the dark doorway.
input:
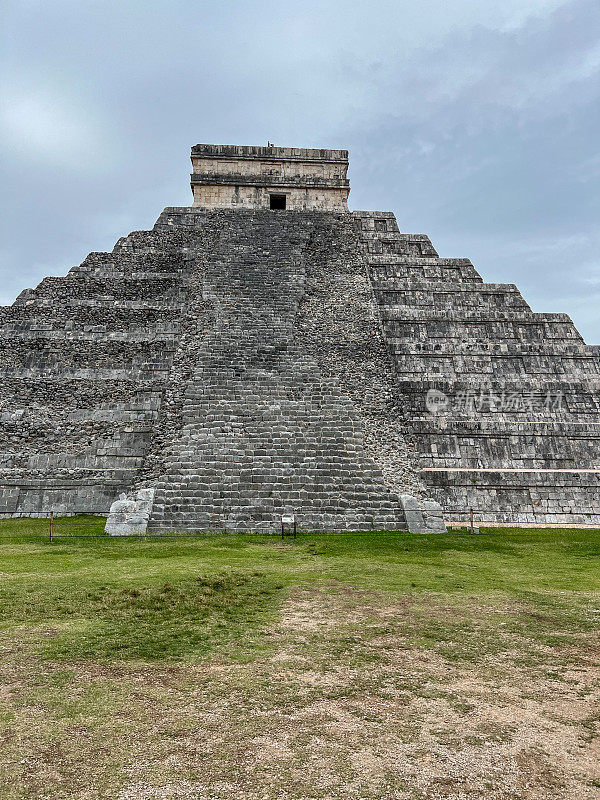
(277, 202)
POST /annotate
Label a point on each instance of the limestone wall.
(258, 197)
(289, 169)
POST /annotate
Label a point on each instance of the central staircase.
(264, 432)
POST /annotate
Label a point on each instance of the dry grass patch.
(344, 706)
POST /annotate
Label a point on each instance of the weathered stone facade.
(236, 363)
(296, 178)
(501, 402)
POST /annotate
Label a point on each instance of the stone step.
(437, 297)
(37, 303)
(60, 329)
(417, 245)
(401, 277)
(504, 496)
(402, 314)
(501, 348)
(140, 377)
(380, 221)
(490, 333)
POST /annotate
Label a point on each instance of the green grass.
(183, 597)
(160, 622)
(147, 661)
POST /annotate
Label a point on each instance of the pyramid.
(266, 353)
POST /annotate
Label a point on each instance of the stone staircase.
(264, 431)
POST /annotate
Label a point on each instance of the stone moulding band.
(273, 180)
(269, 153)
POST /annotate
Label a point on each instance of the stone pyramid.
(266, 352)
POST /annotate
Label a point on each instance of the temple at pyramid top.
(277, 178)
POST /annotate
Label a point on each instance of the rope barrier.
(469, 524)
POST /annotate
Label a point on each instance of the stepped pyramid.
(266, 352)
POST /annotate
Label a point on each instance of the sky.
(475, 121)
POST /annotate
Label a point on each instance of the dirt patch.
(358, 698)
(443, 729)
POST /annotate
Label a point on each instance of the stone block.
(130, 515)
(422, 516)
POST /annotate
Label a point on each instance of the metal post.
(472, 528)
(51, 525)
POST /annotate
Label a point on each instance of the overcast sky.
(475, 121)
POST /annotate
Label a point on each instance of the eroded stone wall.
(502, 403)
(338, 324)
(202, 362)
(84, 365)
(258, 197)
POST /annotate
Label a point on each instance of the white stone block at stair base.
(422, 516)
(130, 515)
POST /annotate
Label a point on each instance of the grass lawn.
(375, 665)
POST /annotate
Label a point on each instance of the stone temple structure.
(266, 351)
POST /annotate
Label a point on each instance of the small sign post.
(288, 519)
